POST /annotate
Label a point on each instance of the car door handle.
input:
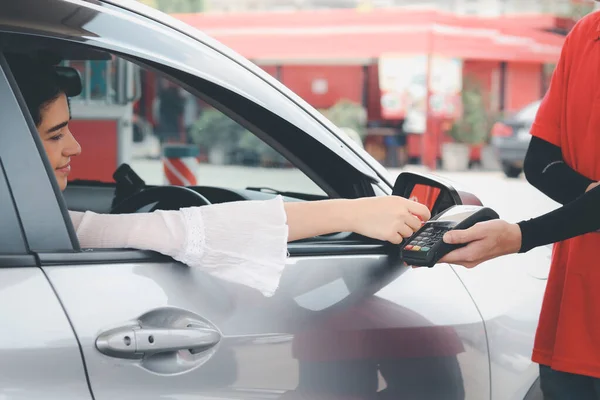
(135, 342)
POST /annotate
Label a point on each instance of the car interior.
(127, 191)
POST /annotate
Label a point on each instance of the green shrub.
(348, 114)
(213, 129)
(475, 124)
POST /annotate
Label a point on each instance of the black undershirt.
(546, 169)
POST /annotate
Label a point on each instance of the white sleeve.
(243, 242)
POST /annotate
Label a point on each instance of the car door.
(509, 297)
(349, 319)
(39, 353)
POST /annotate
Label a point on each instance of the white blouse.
(243, 242)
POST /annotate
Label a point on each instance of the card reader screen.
(424, 194)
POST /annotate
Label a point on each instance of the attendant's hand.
(486, 240)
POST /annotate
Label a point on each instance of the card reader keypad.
(426, 239)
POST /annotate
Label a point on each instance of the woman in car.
(243, 242)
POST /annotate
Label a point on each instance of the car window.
(167, 135)
(24, 184)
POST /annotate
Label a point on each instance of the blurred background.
(448, 84)
(474, 7)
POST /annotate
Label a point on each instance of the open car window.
(130, 114)
(225, 146)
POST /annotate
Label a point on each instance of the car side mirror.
(434, 192)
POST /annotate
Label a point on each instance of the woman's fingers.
(418, 209)
(405, 231)
(414, 222)
(396, 238)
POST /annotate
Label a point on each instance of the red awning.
(346, 35)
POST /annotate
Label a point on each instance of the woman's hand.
(486, 240)
(388, 218)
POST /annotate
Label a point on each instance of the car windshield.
(528, 112)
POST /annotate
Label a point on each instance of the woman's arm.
(243, 242)
(388, 218)
(246, 242)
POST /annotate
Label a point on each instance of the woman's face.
(59, 143)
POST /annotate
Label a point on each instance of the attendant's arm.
(546, 170)
(544, 165)
(487, 240)
(577, 218)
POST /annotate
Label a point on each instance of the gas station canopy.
(356, 37)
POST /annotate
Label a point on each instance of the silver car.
(349, 321)
(511, 138)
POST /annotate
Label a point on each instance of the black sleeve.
(546, 170)
(578, 217)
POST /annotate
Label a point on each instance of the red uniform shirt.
(568, 335)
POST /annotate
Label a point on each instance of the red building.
(329, 55)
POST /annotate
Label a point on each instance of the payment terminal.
(426, 246)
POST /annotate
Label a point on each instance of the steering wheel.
(165, 197)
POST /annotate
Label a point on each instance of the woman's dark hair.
(40, 83)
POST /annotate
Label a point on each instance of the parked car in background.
(510, 138)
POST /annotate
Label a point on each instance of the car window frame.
(47, 229)
(147, 12)
(340, 245)
(320, 136)
(213, 94)
(192, 85)
(12, 238)
(122, 31)
(14, 253)
(344, 244)
(41, 209)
